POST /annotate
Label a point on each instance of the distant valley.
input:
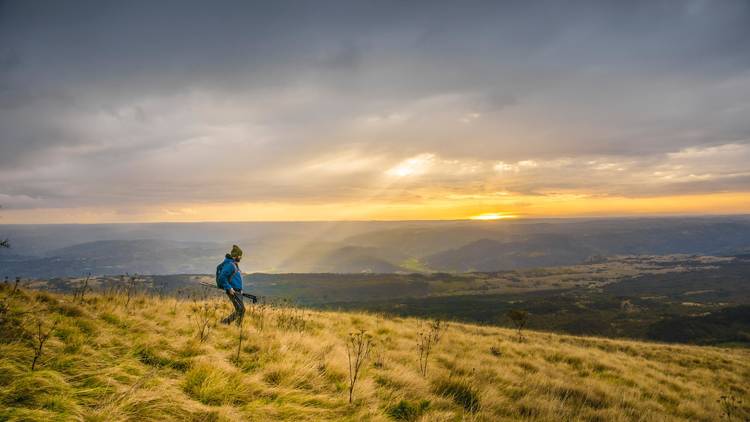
(359, 247)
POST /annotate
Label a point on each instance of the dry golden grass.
(106, 362)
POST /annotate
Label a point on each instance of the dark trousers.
(239, 307)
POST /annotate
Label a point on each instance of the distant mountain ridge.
(353, 247)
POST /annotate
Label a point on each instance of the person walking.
(229, 279)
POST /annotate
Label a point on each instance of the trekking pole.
(247, 295)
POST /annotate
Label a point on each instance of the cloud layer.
(125, 106)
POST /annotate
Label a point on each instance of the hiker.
(230, 279)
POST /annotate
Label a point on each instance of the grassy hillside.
(111, 358)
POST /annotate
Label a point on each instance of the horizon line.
(517, 219)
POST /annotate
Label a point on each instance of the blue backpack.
(218, 272)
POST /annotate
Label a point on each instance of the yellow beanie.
(236, 252)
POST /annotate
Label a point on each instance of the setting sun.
(493, 216)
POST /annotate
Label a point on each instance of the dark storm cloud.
(109, 102)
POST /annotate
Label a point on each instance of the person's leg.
(233, 315)
(239, 305)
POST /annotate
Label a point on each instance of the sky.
(372, 110)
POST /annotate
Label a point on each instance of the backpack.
(218, 273)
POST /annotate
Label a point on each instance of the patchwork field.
(321, 288)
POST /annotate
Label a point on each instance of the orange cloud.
(412, 208)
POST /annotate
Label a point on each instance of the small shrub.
(204, 317)
(240, 336)
(460, 391)
(519, 318)
(427, 338)
(407, 411)
(80, 291)
(357, 350)
(40, 338)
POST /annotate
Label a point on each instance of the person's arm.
(224, 276)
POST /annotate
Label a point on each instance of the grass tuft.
(215, 387)
(150, 356)
(42, 389)
(407, 411)
(461, 391)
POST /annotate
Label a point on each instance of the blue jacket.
(230, 275)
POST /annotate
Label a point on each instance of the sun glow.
(493, 216)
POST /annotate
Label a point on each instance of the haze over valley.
(355, 247)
